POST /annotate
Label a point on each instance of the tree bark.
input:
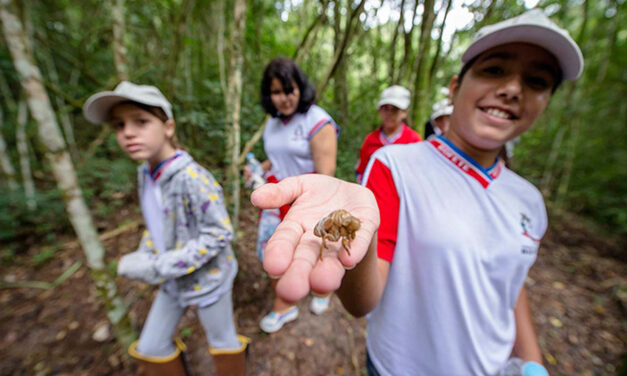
(339, 52)
(64, 117)
(233, 105)
(438, 50)
(63, 170)
(407, 47)
(5, 161)
(340, 89)
(22, 148)
(119, 32)
(400, 26)
(419, 94)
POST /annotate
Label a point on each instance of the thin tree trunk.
(399, 26)
(22, 148)
(571, 153)
(310, 34)
(180, 26)
(64, 117)
(233, 105)
(407, 47)
(419, 94)
(219, 12)
(611, 45)
(63, 170)
(340, 81)
(339, 52)
(438, 50)
(5, 161)
(119, 32)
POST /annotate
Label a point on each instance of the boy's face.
(502, 94)
(142, 135)
(391, 116)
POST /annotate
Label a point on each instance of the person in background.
(392, 108)
(300, 138)
(440, 118)
(442, 277)
(186, 249)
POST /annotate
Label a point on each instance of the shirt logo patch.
(525, 223)
(298, 132)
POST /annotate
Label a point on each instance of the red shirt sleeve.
(381, 183)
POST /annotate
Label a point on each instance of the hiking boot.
(320, 304)
(274, 321)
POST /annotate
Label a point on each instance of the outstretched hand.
(292, 252)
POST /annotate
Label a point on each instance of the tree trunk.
(438, 50)
(418, 95)
(233, 104)
(22, 148)
(310, 34)
(407, 48)
(399, 27)
(219, 12)
(5, 161)
(340, 89)
(63, 170)
(119, 32)
(179, 26)
(64, 117)
(339, 52)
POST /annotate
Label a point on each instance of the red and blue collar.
(385, 140)
(161, 166)
(465, 163)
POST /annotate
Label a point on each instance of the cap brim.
(394, 103)
(98, 107)
(562, 47)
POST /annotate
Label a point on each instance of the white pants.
(165, 314)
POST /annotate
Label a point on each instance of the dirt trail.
(575, 293)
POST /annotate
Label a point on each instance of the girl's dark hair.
(558, 79)
(286, 71)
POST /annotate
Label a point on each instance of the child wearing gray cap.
(186, 248)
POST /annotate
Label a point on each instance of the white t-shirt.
(287, 142)
(460, 239)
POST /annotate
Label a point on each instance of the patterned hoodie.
(198, 265)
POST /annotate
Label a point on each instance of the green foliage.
(179, 53)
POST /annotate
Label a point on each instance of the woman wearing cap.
(300, 138)
(442, 277)
(392, 108)
(186, 247)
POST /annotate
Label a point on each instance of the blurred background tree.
(197, 50)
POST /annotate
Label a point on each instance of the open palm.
(292, 252)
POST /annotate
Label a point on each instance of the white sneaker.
(320, 305)
(274, 321)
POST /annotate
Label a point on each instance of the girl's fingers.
(294, 284)
(327, 275)
(270, 196)
(280, 248)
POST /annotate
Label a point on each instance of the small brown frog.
(340, 224)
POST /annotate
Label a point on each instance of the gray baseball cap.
(98, 107)
(532, 27)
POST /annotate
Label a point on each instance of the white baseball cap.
(441, 108)
(98, 107)
(395, 95)
(532, 27)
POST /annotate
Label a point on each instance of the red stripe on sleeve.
(381, 183)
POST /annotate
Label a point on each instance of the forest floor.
(577, 289)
